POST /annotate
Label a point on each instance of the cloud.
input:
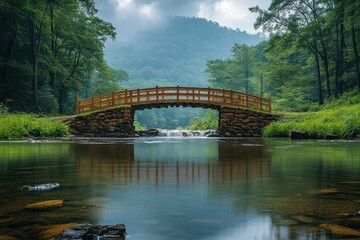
(129, 16)
(234, 14)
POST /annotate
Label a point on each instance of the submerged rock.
(305, 219)
(40, 187)
(340, 230)
(44, 205)
(324, 191)
(5, 237)
(93, 232)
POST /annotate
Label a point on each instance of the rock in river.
(40, 187)
(4, 237)
(93, 232)
(55, 230)
(340, 230)
(44, 205)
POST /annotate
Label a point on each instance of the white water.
(185, 133)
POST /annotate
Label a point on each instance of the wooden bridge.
(180, 96)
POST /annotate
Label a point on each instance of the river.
(184, 188)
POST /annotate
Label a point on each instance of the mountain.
(170, 55)
(176, 53)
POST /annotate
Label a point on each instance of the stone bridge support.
(117, 122)
(237, 122)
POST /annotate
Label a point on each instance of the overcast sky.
(129, 16)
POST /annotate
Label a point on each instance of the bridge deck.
(174, 95)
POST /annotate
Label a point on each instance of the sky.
(129, 16)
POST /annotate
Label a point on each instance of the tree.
(48, 50)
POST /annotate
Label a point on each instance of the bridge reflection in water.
(158, 162)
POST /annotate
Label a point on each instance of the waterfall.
(174, 133)
(177, 133)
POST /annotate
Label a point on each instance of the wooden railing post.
(260, 104)
(247, 100)
(224, 98)
(269, 104)
(131, 96)
(113, 99)
(92, 102)
(231, 97)
(126, 100)
(208, 95)
(77, 106)
(177, 93)
(138, 95)
(157, 93)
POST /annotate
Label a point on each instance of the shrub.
(15, 126)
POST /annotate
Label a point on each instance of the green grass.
(342, 121)
(16, 126)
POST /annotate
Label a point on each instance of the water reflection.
(185, 188)
(174, 161)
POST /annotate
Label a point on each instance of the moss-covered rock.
(340, 230)
(44, 205)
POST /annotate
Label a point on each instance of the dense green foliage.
(15, 126)
(313, 52)
(51, 52)
(338, 117)
(312, 55)
(205, 120)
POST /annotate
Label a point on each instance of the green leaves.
(50, 46)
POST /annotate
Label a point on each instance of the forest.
(54, 52)
(51, 52)
(311, 56)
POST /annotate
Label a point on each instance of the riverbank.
(340, 122)
(19, 126)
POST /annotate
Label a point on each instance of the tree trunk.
(261, 84)
(51, 71)
(61, 98)
(34, 61)
(356, 54)
(318, 74)
(7, 56)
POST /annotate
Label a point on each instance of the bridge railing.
(177, 94)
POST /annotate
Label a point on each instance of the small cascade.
(211, 133)
(174, 133)
(177, 133)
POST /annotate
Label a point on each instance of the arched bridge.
(240, 114)
(177, 96)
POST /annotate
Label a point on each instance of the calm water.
(184, 188)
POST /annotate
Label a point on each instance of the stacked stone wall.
(110, 123)
(236, 122)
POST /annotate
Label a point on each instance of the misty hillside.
(176, 53)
